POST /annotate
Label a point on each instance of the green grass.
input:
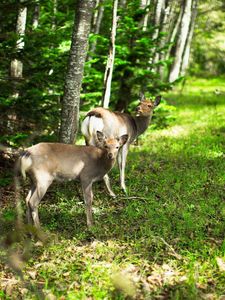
(164, 241)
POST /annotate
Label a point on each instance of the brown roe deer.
(46, 162)
(116, 124)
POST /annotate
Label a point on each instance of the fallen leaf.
(221, 264)
(33, 274)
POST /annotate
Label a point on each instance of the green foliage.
(165, 114)
(37, 109)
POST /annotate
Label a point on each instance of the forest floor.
(165, 240)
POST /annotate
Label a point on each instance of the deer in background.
(46, 162)
(114, 124)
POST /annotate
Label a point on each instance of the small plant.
(164, 115)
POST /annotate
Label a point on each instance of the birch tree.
(145, 5)
(174, 32)
(160, 6)
(54, 14)
(167, 12)
(36, 15)
(16, 68)
(73, 81)
(110, 61)
(181, 41)
(187, 50)
(97, 20)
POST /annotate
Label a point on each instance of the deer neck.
(142, 123)
(107, 163)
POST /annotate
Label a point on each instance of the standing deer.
(45, 162)
(115, 124)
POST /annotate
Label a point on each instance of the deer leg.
(28, 212)
(88, 198)
(122, 156)
(35, 199)
(108, 185)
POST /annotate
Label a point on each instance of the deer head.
(146, 106)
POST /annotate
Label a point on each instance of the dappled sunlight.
(64, 46)
(175, 131)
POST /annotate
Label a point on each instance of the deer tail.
(23, 164)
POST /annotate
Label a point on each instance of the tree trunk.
(160, 6)
(97, 20)
(54, 14)
(122, 3)
(16, 68)
(186, 55)
(182, 38)
(174, 32)
(73, 81)
(110, 61)
(144, 22)
(36, 15)
(164, 28)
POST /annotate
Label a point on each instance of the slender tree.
(174, 30)
(16, 68)
(54, 14)
(160, 7)
(97, 20)
(36, 15)
(110, 61)
(73, 81)
(144, 21)
(186, 55)
(181, 41)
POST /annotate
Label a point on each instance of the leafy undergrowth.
(163, 241)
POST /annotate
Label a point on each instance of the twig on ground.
(173, 252)
(133, 197)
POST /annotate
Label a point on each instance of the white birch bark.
(110, 60)
(174, 32)
(185, 22)
(97, 23)
(186, 55)
(164, 39)
(146, 17)
(36, 15)
(54, 14)
(16, 68)
(160, 6)
(145, 5)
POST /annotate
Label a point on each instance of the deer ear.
(142, 96)
(157, 100)
(123, 139)
(100, 136)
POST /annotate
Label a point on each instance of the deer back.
(113, 124)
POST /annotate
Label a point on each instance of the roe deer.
(115, 124)
(45, 162)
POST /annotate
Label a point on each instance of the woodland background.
(165, 239)
(153, 44)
